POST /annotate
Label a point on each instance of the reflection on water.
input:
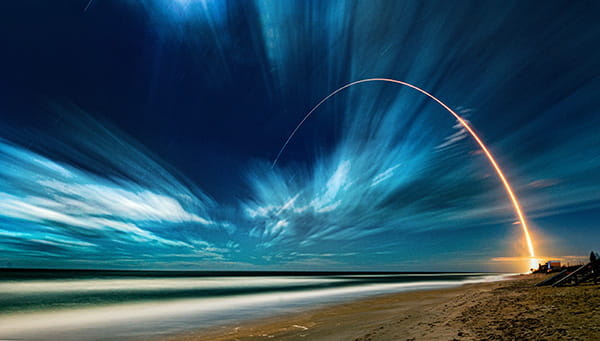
(94, 305)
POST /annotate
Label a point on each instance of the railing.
(582, 274)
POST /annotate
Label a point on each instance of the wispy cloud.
(459, 135)
(69, 207)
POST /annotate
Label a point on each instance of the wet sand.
(507, 310)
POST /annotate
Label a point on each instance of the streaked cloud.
(379, 175)
(66, 207)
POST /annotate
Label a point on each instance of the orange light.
(507, 186)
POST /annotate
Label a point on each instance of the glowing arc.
(507, 186)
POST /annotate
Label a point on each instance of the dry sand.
(508, 310)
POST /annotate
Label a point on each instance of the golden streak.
(509, 190)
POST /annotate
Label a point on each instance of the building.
(553, 265)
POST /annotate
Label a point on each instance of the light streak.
(88, 5)
(507, 186)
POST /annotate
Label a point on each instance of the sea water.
(104, 305)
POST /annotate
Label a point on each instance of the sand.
(508, 310)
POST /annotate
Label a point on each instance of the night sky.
(139, 134)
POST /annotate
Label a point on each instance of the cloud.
(137, 204)
(461, 134)
(383, 176)
(67, 205)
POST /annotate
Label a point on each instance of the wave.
(137, 307)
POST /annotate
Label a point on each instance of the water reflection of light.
(166, 284)
(151, 317)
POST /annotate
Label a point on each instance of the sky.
(141, 134)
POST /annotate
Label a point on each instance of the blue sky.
(140, 134)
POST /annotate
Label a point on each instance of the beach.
(505, 310)
(38, 304)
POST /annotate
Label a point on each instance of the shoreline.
(508, 309)
(81, 308)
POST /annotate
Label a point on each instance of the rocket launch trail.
(510, 192)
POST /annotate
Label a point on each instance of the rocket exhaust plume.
(507, 186)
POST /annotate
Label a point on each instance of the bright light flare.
(507, 186)
(534, 263)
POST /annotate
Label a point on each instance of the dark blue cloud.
(197, 97)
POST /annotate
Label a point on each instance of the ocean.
(108, 305)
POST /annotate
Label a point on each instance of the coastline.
(68, 306)
(510, 309)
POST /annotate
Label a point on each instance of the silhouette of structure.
(575, 276)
